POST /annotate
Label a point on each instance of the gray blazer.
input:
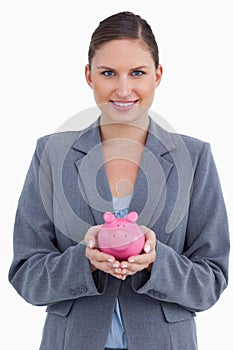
(177, 194)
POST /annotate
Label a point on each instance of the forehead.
(115, 52)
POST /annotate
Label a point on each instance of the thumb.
(150, 241)
(91, 236)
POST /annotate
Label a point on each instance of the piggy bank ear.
(132, 216)
(109, 217)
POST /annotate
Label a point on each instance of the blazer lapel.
(92, 177)
(150, 187)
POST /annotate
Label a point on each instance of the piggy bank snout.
(121, 234)
(121, 237)
(117, 237)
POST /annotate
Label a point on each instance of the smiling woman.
(126, 71)
(121, 163)
(123, 77)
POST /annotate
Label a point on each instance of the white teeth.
(122, 104)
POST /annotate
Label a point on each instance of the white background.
(43, 52)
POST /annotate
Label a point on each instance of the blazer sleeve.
(196, 278)
(40, 272)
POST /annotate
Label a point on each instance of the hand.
(108, 263)
(145, 260)
(99, 260)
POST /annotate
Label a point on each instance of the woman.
(123, 162)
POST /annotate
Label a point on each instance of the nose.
(123, 87)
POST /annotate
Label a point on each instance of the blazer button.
(82, 289)
(157, 293)
(163, 295)
(79, 290)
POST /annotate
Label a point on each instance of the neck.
(136, 131)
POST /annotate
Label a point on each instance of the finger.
(150, 235)
(103, 266)
(119, 276)
(91, 242)
(150, 242)
(142, 259)
(91, 235)
(140, 262)
(144, 229)
(150, 239)
(99, 256)
(147, 247)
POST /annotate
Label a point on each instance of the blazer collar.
(150, 187)
(88, 138)
(158, 140)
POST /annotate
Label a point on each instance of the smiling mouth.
(123, 104)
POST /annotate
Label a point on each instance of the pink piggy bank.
(121, 237)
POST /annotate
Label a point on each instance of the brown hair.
(123, 25)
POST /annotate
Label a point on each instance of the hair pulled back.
(123, 25)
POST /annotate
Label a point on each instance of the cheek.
(145, 87)
(98, 90)
(99, 86)
(148, 91)
(150, 86)
(102, 90)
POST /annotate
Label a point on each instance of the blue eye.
(108, 73)
(138, 73)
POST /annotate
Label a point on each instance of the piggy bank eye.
(125, 235)
(118, 225)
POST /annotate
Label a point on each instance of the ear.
(88, 76)
(158, 75)
(132, 216)
(109, 217)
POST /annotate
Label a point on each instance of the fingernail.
(124, 266)
(131, 260)
(115, 265)
(90, 243)
(110, 260)
(147, 248)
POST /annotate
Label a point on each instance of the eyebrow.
(109, 68)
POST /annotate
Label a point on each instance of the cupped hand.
(142, 261)
(99, 260)
(108, 263)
